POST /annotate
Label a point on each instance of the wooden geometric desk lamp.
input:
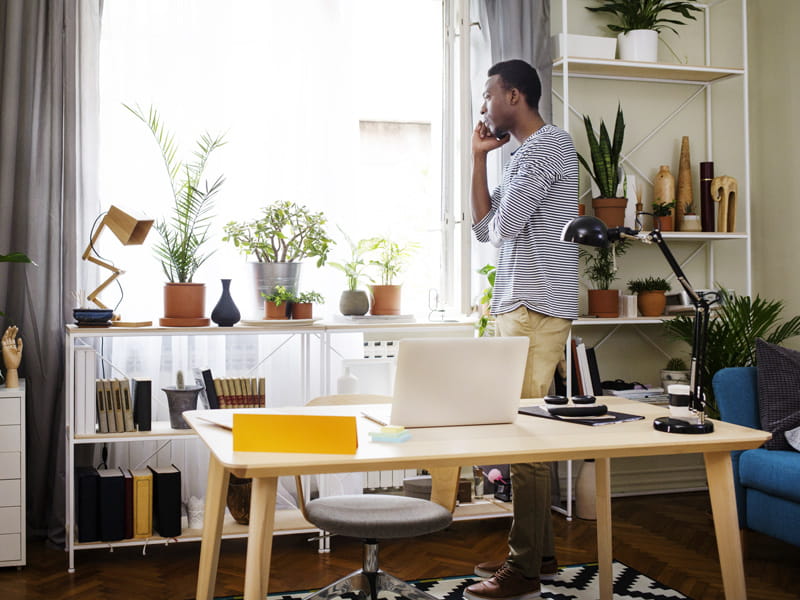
(130, 231)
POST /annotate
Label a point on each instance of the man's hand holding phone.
(485, 140)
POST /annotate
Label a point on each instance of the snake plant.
(605, 154)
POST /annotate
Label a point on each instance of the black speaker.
(142, 400)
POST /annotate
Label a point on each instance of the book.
(142, 503)
(127, 405)
(142, 391)
(219, 393)
(583, 368)
(262, 392)
(211, 392)
(116, 394)
(128, 508)
(109, 396)
(86, 514)
(100, 402)
(167, 500)
(576, 364)
(594, 372)
(111, 504)
(85, 391)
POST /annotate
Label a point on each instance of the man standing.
(535, 292)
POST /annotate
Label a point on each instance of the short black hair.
(518, 74)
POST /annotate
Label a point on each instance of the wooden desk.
(529, 439)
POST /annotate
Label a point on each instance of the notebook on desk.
(456, 381)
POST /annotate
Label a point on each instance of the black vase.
(225, 313)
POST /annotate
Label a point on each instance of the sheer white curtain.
(335, 104)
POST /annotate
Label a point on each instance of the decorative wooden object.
(664, 193)
(724, 190)
(685, 198)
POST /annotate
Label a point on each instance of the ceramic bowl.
(92, 316)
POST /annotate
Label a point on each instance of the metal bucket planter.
(180, 400)
(267, 276)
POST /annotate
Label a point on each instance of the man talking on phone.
(535, 291)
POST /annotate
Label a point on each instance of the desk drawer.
(10, 492)
(10, 546)
(10, 521)
(10, 411)
(10, 465)
(10, 438)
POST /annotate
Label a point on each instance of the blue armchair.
(767, 481)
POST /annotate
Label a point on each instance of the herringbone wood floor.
(668, 537)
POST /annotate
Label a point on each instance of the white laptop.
(458, 381)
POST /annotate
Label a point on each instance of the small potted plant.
(650, 295)
(675, 371)
(303, 304)
(606, 170)
(354, 301)
(392, 259)
(278, 240)
(691, 220)
(601, 270)
(663, 219)
(180, 398)
(640, 23)
(278, 303)
(184, 235)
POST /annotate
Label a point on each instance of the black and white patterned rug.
(576, 582)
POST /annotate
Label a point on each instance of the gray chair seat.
(377, 516)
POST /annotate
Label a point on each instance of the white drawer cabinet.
(12, 476)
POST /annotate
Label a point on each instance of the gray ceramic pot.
(354, 303)
(179, 401)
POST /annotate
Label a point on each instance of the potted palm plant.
(182, 248)
(650, 293)
(601, 269)
(354, 301)
(732, 332)
(278, 240)
(605, 170)
(640, 22)
(392, 259)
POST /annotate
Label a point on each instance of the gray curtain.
(48, 77)
(521, 29)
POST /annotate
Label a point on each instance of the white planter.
(639, 45)
(583, 46)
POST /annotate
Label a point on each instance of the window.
(335, 104)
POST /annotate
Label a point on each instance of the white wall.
(775, 153)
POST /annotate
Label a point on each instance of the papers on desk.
(607, 419)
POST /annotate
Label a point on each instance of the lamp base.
(670, 425)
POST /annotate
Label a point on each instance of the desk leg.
(444, 486)
(216, 494)
(259, 537)
(719, 473)
(604, 545)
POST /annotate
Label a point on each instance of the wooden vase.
(663, 191)
(685, 197)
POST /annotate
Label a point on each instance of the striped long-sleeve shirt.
(537, 197)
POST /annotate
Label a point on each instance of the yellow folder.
(315, 434)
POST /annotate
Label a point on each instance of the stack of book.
(652, 395)
(234, 392)
(117, 504)
(114, 408)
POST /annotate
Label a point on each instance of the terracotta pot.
(604, 303)
(302, 310)
(610, 211)
(651, 303)
(272, 311)
(385, 299)
(581, 210)
(664, 223)
(184, 305)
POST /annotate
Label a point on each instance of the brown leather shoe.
(505, 584)
(547, 572)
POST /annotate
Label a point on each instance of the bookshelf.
(316, 359)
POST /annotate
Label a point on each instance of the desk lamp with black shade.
(591, 231)
(130, 231)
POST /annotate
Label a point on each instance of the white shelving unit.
(701, 79)
(287, 520)
(12, 476)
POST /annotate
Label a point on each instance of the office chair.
(372, 517)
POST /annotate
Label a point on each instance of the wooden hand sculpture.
(12, 355)
(724, 190)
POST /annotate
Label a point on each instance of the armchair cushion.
(778, 392)
(773, 472)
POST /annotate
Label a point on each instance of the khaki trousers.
(531, 535)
